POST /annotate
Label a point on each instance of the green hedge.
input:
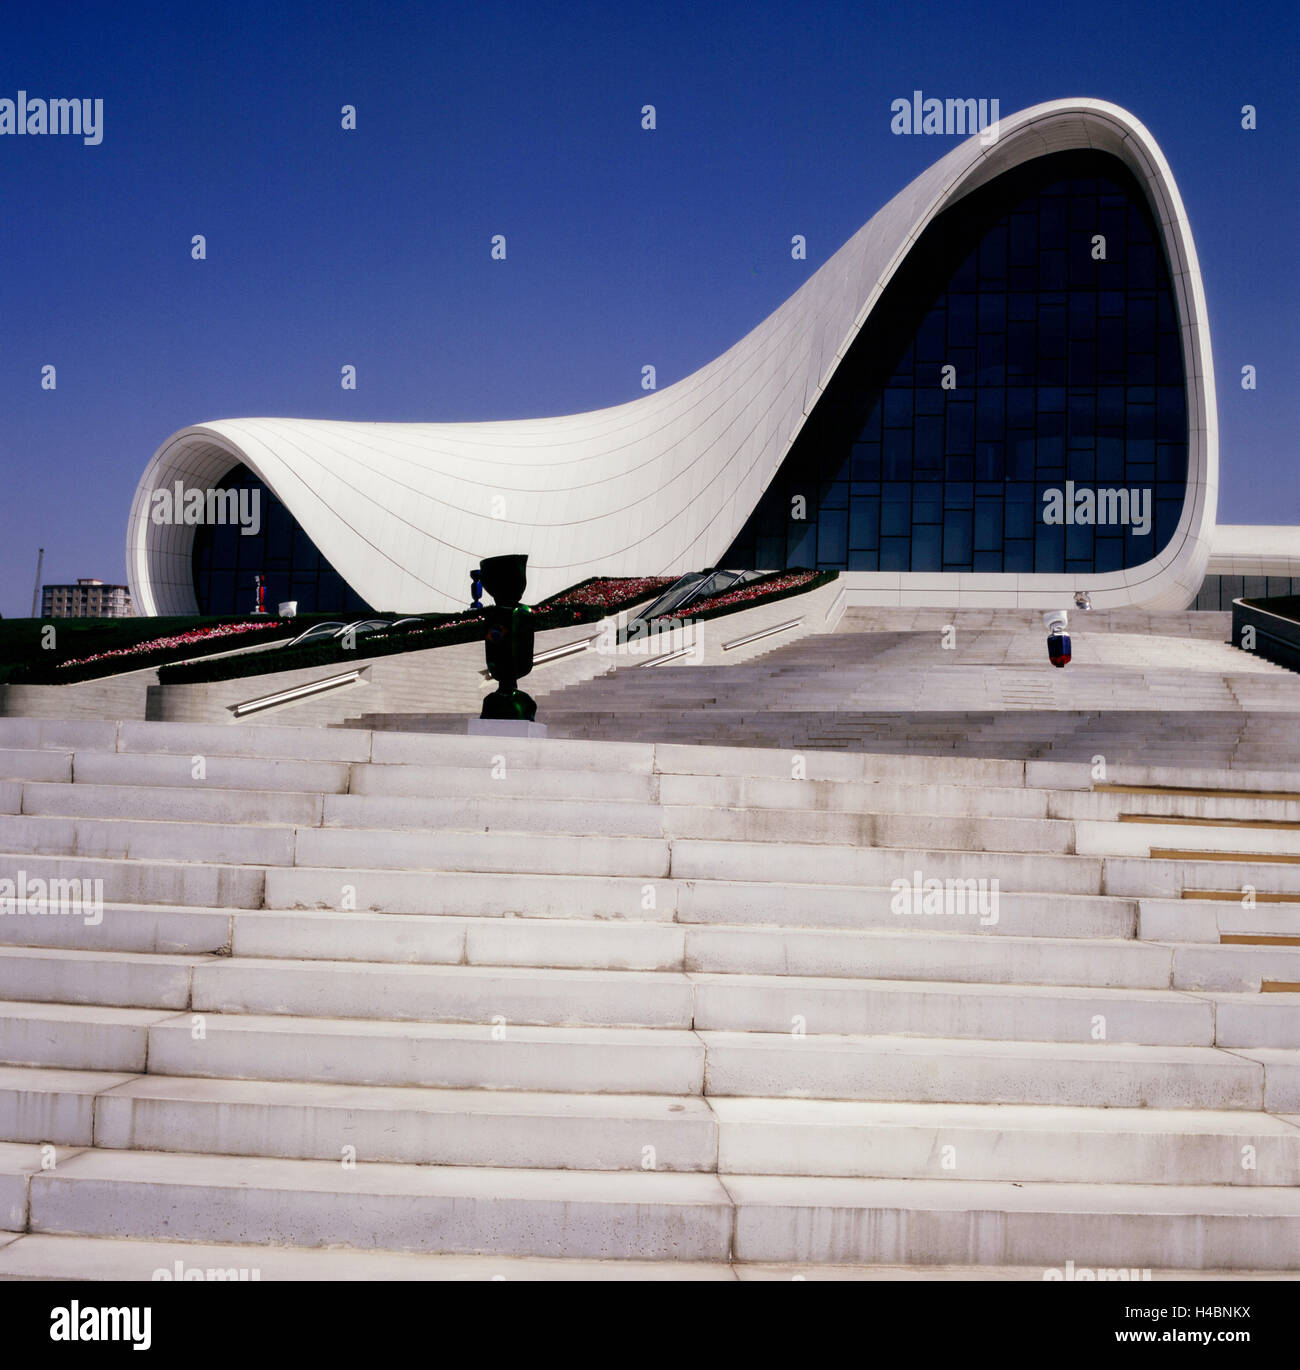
(23, 659)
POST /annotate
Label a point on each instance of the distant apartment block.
(86, 599)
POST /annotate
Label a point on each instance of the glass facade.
(1023, 368)
(225, 562)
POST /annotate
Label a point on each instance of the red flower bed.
(608, 593)
(744, 593)
(186, 639)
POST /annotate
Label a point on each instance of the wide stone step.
(854, 796)
(502, 1056)
(140, 840)
(500, 777)
(613, 1132)
(1166, 876)
(77, 1036)
(654, 1061)
(652, 1215)
(936, 1222)
(16, 764)
(447, 1209)
(334, 1122)
(114, 979)
(912, 952)
(449, 994)
(198, 804)
(554, 997)
(1258, 1020)
(698, 900)
(947, 832)
(45, 1257)
(1005, 1142)
(1043, 873)
(217, 772)
(901, 1069)
(201, 884)
(160, 928)
(1209, 920)
(282, 846)
(785, 1003)
(1156, 838)
(1235, 968)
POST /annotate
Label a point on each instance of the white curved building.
(669, 482)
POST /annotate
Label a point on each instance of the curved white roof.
(664, 483)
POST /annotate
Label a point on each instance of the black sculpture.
(509, 638)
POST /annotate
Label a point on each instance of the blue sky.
(624, 247)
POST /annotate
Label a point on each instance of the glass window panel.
(961, 321)
(929, 443)
(1142, 420)
(1018, 557)
(1022, 306)
(932, 337)
(1053, 370)
(1110, 407)
(835, 495)
(959, 493)
(988, 525)
(957, 543)
(898, 408)
(1023, 240)
(1082, 417)
(1083, 314)
(895, 554)
(1083, 361)
(1021, 454)
(990, 461)
(993, 254)
(895, 519)
(927, 548)
(1054, 270)
(801, 543)
(896, 452)
(959, 468)
(992, 354)
(871, 428)
(1049, 548)
(990, 414)
(1022, 349)
(1171, 462)
(961, 427)
(864, 523)
(1052, 331)
(992, 313)
(866, 462)
(832, 537)
(1022, 406)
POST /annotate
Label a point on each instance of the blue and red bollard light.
(1058, 639)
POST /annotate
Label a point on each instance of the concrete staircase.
(970, 682)
(375, 1004)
